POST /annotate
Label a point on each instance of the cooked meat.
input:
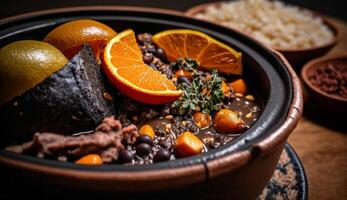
(106, 140)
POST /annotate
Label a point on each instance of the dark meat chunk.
(70, 100)
(130, 134)
(106, 140)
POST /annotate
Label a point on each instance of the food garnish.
(206, 51)
(201, 95)
(186, 67)
(123, 65)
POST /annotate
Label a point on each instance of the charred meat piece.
(70, 100)
(107, 140)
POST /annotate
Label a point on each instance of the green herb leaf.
(200, 95)
(187, 64)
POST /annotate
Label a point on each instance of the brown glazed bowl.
(242, 167)
(296, 57)
(328, 102)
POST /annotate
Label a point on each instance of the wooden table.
(320, 140)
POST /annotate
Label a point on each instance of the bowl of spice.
(326, 80)
(298, 33)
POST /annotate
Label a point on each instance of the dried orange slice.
(208, 52)
(123, 65)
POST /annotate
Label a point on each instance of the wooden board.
(320, 140)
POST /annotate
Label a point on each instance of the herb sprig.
(187, 64)
(201, 95)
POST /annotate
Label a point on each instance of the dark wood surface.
(320, 140)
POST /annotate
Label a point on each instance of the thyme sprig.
(187, 64)
(201, 95)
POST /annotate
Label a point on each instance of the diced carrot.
(202, 120)
(226, 121)
(239, 86)
(187, 144)
(90, 159)
(147, 130)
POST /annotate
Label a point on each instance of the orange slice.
(123, 65)
(208, 52)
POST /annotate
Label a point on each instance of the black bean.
(167, 70)
(144, 139)
(165, 144)
(150, 48)
(162, 155)
(125, 156)
(160, 54)
(143, 149)
(143, 50)
(148, 58)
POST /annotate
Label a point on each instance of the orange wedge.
(124, 67)
(208, 52)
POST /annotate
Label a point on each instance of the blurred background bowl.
(329, 102)
(296, 57)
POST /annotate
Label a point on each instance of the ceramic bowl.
(247, 162)
(329, 102)
(297, 57)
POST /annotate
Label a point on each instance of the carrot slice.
(90, 159)
(147, 130)
(187, 144)
(239, 86)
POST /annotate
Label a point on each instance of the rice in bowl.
(273, 23)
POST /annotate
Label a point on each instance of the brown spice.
(331, 79)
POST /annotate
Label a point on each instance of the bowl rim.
(197, 172)
(312, 64)
(328, 22)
